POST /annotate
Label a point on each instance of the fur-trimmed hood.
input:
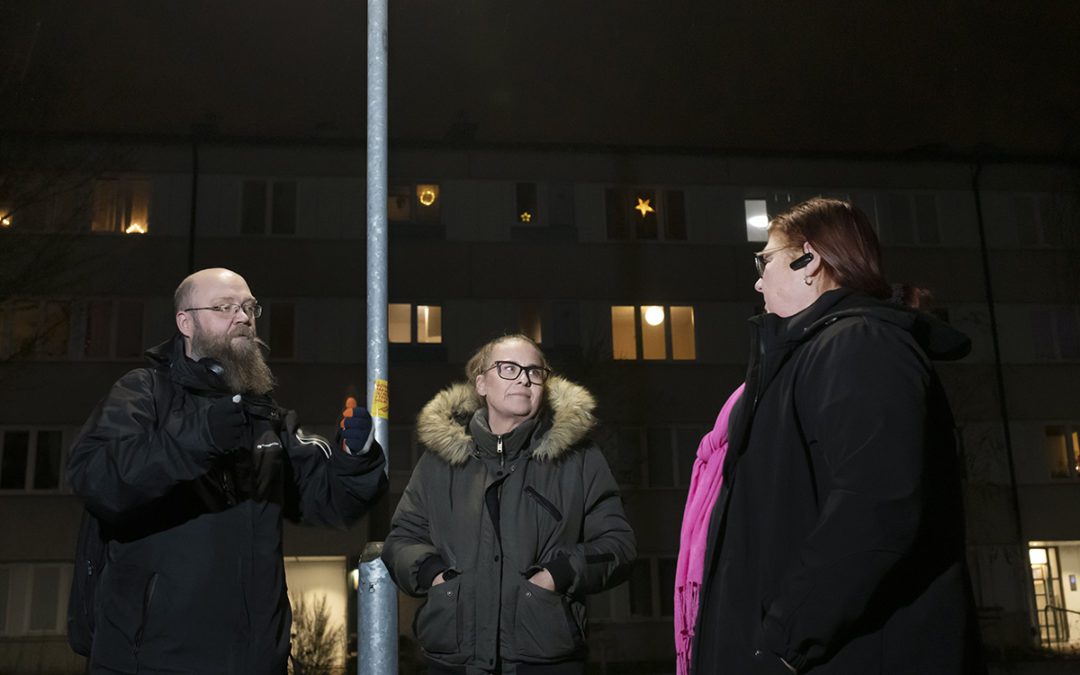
(443, 424)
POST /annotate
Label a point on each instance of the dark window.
(667, 585)
(401, 449)
(641, 604)
(618, 226)
(98, 328)
(674, 215)
(661, 471)
(926, 218)
(45, 598)
(282, 330)
(284, 208)
(13, 465)
(129, 328)
(561, 200)
(253, 207)
(47, 460)
(526, 211)
(898, 219)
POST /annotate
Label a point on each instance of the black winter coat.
(494, 511)
(195, 581)
(837, 542)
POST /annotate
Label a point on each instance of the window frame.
(269, 185)
(668, 333)
(21, 627)
(661, 194)
(30, 472)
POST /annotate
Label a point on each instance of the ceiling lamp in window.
(654, 315)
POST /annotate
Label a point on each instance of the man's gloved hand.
(227, 425)
(355, 428)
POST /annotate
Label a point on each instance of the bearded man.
(187, 468)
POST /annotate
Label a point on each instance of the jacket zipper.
(547, 506)
(499, 451)
(230, 498)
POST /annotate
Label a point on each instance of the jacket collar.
(204, 375)
(445, 424)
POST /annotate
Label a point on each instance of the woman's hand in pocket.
(543, 579)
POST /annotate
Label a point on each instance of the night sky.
(754, 75)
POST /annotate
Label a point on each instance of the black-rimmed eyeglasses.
(508, 370)
(252, 309)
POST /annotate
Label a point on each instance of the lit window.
(1063, 451)
(645, 213)
(30, 459)
(757, 220)
(121, 205)
(268, 207)
(400, 323)
(413, 203)
(659, 327)
(530, 322)
(428, 324)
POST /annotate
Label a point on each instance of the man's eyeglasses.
(252, 309)
(762, 258)
(508, 370)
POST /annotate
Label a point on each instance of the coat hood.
(939, 340)
(443, 424)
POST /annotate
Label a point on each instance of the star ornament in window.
(525, 216)
(643, 206)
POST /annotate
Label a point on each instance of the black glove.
(227, 424)
(355, 429)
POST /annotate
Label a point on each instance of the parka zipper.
(499, 451)
(544, 503)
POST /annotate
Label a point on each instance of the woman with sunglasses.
(510, 519)
(836, 541)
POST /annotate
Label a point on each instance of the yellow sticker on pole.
(380, 400)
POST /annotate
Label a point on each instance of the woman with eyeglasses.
(510, 519)
(836, 541)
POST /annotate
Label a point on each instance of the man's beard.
(245, 367)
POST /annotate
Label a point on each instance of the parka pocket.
(544, 503)
(131, 612)
(547, 625)
(438, 621)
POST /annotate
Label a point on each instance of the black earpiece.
(802, 261)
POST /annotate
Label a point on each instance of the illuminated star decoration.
(525, 216)
(643, 206)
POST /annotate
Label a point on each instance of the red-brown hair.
(843, 238)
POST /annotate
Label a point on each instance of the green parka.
(490, 511)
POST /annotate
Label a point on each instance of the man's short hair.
(182, 296)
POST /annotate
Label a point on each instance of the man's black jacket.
(195, 578)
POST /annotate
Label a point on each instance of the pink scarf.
(704, 487)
